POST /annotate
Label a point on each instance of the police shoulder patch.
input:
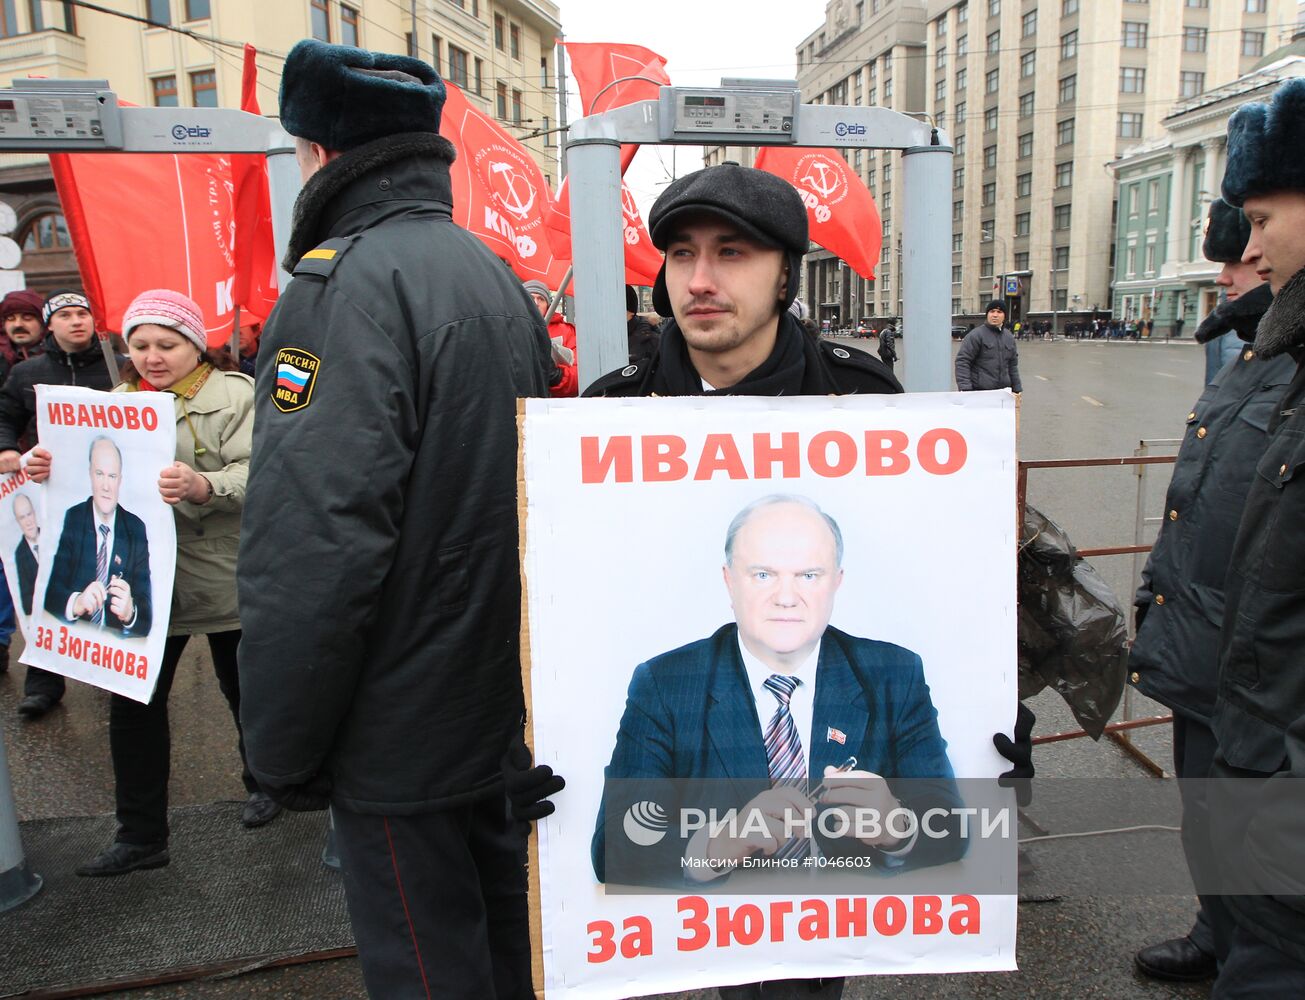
(296, 374)
(322, 259)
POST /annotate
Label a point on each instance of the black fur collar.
(1241, 315)
(327, 183)
(1283, 327)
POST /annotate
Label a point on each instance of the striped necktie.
(784, 757)
(102, 570)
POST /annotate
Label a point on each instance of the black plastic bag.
(1073, 635)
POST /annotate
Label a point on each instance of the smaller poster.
(21, 512)
(103, 590)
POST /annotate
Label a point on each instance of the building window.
(1068, 7)
(1252, 43)
(514, 40)
(1060, 217)
(873, 96)
(1132, 80)
(165, 91)
(958, 211)
(1068, 88)
(1022, 224)
(1029, 24)
(1190, 83)
(1022, 261)
(1026, 104)
(961, 78)
(1130, 125)
(940, 89)
(500, 31)
(962, 46)
(958, 145)
(956, 274)
(989, 156)
(958, 242)
(203, 88)
(1201, 4)
(1134, 34)
(1153, 195)
(1026, 145)
(940, 59)
(1069, 45)
(1028, 63)
(1194, 39)
(1060, 255)
(985, 267)
(410, 45)
(1150, 258)
(319, 18)
(480, 73)
(991, 81)
(500, 100)
(940, 27)
(458, 66)
(994, 43)
(1064, 174)
(198, 10)
(1257, 6)
(959, 113)
(958, 177)
(436, 53)
(44, 233)
(1130, 266)
(1065, 131)
(159, 11)
(888, 88)
(516, 107)
(990, 120)
(349, 25)
(1023, 185)
(543, 72)
(994, 8)
(990, 193)
(886, 200)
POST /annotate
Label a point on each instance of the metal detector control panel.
(728, 114)
(70, 113)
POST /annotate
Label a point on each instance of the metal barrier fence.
(1141, 459)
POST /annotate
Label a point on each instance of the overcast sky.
(702, 41)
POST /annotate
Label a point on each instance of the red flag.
(499, 193)
(642, 259)
(841, 211)
(255, 248)
(176, 230)
(596, 65)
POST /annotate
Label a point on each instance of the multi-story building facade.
(187, 53)
(1037, 96)
(1165, 186)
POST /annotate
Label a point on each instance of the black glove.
(312, 795)
(1020, 753)
(528, 788)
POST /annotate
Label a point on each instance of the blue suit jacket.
(74, 564)
(690, 717)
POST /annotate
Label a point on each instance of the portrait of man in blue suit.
(25, 553)
(101, 571)
(774, 714)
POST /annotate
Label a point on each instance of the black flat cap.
(1226, 233)
(765, 208)
(341, 97)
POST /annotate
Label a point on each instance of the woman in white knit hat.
(168, 349)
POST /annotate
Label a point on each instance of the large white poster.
(769, 643)
(103, 592)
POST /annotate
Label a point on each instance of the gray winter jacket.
(988, 360)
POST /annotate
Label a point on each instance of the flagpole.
(235, 336)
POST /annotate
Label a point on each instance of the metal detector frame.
(594, 172)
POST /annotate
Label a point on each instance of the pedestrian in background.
(887, 345)
(988, 357)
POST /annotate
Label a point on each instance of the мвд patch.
(296, 373)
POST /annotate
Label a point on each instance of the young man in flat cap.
(379, 582)
(1256, 797)
(734, 238)
(72, 356)
(1174, 658)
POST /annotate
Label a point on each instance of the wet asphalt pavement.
(1088, 399)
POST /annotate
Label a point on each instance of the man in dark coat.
(379, 582)
(72, 356)
(101, 571)
(641, 336)
(734, 239)
(25, 555)
(20, 314)
(1175, 654)
(988, 357)
(887, 346)
(1256, 807)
